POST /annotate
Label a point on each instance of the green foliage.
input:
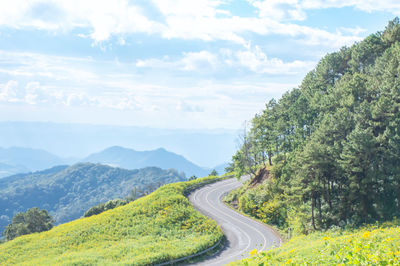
(67, 192)
(193, 177)
(372, 245)
(261, 202)
(156, 228)
(32, 221)
(213, 173)
(111, 204)
(333, 143)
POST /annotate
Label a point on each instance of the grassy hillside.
(67, 192)
(153, 229)
(373, 245)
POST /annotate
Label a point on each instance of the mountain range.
(131, 159)
(203, 147)
(68, 191)
(17, 160)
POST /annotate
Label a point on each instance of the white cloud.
(187, 8)
(190, 61)
(256, 60)
(353, 31)
(104, 17)
(392, 6)
(198, 60)
(188, 107)
(117, 90)
(296, 9)
(33, 93)
(280, 9)
(252, 58)
(30, 93)
(183, 19)
(9, 91)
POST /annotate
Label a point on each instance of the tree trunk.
(312, 212)
(269, 158)
(330, 195)
(319, 211)
(398, 197)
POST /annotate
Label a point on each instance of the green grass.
(371, 245)
(156, 228)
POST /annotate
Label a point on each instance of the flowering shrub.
(371, 245)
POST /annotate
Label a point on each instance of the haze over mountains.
(206, 148)
(17, 160)
(130, 159)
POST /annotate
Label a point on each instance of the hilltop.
(132, 159)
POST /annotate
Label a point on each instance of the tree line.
(333, 143)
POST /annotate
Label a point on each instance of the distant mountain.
(131, 159)
(203, 147)
(7, 170)
(68, 191)
(19, 160)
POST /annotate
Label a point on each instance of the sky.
(182, 64)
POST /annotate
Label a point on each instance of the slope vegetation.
(67, 192)
(373, 245)
(156, 228)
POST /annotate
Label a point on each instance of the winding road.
(243, 233)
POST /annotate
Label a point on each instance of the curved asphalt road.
(243, 234)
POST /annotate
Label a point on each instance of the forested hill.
(67, 192)
(334, 142)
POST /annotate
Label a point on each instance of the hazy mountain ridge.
(203, 147)
(16, 160)
(68, 191)
(7, 169)
(132, 159)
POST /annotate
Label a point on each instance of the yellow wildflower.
(253, 252)
(366, 234)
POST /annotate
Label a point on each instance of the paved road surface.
(243, 234)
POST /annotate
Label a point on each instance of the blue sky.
(198, 64)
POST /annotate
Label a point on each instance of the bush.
(111, 204)
(32, 221)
